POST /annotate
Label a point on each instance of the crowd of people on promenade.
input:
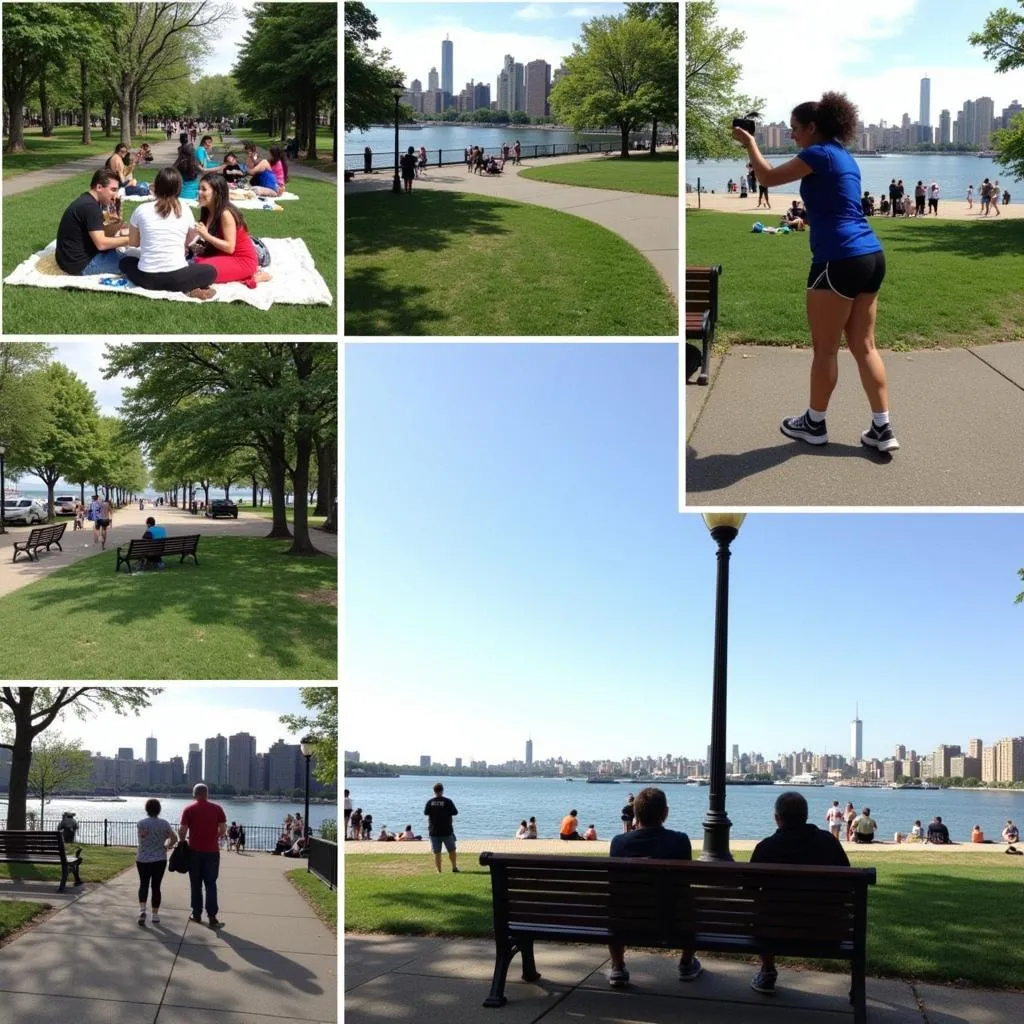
(849, 826)
(294, 838)
(175, 253)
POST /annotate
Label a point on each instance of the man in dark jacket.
(937, 832)
(793, 842)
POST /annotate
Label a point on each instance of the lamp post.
(307, 745)
(396, 90)
(3, 491)
(724, 527)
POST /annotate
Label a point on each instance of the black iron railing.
(323, 861)
(384, 160)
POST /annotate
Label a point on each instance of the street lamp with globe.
(397, 90)
(308, 747)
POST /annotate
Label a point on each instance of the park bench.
(701, 313)
(726, 907)
(143, 550)
(40, 848)
(40, 536)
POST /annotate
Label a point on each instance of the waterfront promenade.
(89, 962)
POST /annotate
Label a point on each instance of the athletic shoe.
(618, 977)
(690, 970)
(198, 920)
(881, 438)
(764, 981)
(155, 918)
(142, 917)
(801, 428)
(215, 923)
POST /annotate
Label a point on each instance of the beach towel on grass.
(296, 281)
(256, 203)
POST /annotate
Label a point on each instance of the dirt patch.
(328, 597)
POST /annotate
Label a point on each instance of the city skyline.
(517, 568)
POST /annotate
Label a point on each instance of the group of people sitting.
(478, 162)
(176, 253)
(937, 833)
(405, 836)
(294, 838)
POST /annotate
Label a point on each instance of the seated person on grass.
(190, 170)
(1011, 834)
(937, 832)
(267, 177)
(145, 154)
(226, 244)
(154, 532)
(116, 163)
(84, 246)
(867, 204)
(162, 230)
(916, 834)
(204, 154)
(796, 216)
(232, 169)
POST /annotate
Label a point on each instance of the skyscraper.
(926, 101)
(447, 75)
(857, 737)
(216, 761)
(432, 83)
(506, 84)
(984, 113)
(241, 758)
(194, 773)
(150, 749)
(529, 753)
(519, 93)
(945, 136)
(538, 86)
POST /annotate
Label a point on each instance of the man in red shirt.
(203, 823)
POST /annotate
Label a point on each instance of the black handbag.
(179, 857)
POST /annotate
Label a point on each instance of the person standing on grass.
(440, 811)
(203, 823)
(155, 835)
(408, 166)
(933, 199)
(848, 263)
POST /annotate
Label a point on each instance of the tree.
(613, 76)
(56, 763)
(711, 80)
(1020, 597)
(368, 75)
(216, 97)
(24, 408)
(1002, 38)
(666, 106)
(322, 701)
(28, 711)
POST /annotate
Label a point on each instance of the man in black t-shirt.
(650, 839)
(83, 247)
(937, 832)
(794, 842)
(440, 811)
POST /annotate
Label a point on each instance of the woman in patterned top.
(154, 836)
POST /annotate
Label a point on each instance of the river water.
(492, 808)
(952, 173)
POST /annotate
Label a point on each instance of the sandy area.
(952, 209)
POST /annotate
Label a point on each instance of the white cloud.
(536, 12)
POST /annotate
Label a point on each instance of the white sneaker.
(142, 916)
(156, 918)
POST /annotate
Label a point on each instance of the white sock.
(880, 419)
(814, 416)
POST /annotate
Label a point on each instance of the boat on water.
(805, 779)
(602, 779)
(911, 785)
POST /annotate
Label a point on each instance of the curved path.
(649, 223)
(129, 523)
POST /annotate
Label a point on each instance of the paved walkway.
(273, 962)
(649, 223)
(444, 981)
(129, 522)
(736, 455)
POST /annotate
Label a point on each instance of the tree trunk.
(311, 153)
(284, 124)
(14, 94)
(108, 119)
(654, 135)
(302, 545)
(624, 128)
(334, 132)
(44, 106)
(324, 458)
(276, 481)
(254, 481)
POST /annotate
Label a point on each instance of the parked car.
(24, 510)
(64, 504)
(222, 507)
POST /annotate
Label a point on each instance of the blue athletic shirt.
(831, 193)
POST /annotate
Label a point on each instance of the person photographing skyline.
(847, 263)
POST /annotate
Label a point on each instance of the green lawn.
(247, 611)
(30, 223)
(324, 147)
(658, 175)
(16, 913)
(944, 918)
(947, 283)
(64, 145)
(463, 264)
(318, 895)
(268, 513)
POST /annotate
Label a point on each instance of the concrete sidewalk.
(958, 415)
(273, 962)
(649, 223)
(445, 981)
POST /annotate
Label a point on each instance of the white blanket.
(295, 280)
(256, 203)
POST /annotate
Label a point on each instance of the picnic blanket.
(296, 281)
(253, 203)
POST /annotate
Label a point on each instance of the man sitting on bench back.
(154, 532)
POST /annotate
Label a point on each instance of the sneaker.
(155, 918)
(197, 919)
(764, 981)
(215, 923)
(618, 977)
(881, 438)
(690, 970)
(801, 428)
(142, 917)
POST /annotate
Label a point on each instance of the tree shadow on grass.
(374, 306)
(980, 239)
(375, 221)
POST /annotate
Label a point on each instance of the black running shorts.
(849, 278)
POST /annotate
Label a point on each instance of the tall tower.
(432, 81)
(150, 749)
(529, 753)
(857, 737)
(945, 136)
(447, 73)
(926, 101)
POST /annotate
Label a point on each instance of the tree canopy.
(368, 75)
(322, 724)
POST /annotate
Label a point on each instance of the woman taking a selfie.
(847, 268)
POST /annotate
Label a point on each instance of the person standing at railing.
(151, 861)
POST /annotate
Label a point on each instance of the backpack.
(262, 252)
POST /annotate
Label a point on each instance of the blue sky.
(516, 566)
(481, 33)
(877, 53)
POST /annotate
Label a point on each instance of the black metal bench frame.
(145, 550)
(781, 909)
(702, 312)
(27, 847)
(39, 536)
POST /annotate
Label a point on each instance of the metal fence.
(323, 861)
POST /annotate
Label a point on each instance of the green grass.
(30, 223)
(63, 146)
(324, 146)
(947, 283)
(268, 513)
(318, 895)
(14, 914)
(247, 611)
(640, 173)
(942, 918)
(464, 264)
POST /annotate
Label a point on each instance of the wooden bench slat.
(702, 303)
(39, 537)
(47, 848)
(140, 550)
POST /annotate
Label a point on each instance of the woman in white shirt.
(151, 860)
(523, 830)
(162, 229)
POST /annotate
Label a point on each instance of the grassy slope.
(463, 264)
(658, 176)
(319, 896)
(947, 283)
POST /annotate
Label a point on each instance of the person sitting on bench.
(154, 532)
(84, 245)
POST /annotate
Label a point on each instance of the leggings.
(183, 280)
(150, 871)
